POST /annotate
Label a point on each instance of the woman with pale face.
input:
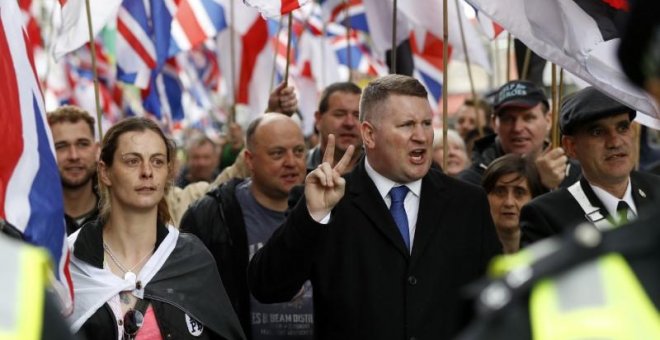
(133, 272)
(510, 182)
(457, 160)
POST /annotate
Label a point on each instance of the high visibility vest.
(22, 290)
(600, 299)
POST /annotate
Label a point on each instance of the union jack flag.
(194, 22)
(30, 189)
(275, 8)
(427, 56)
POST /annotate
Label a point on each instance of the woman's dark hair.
(513, 164)
(108, 149)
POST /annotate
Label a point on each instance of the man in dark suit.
(382, 265)
(596, 131)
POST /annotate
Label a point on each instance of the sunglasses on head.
(133, 320)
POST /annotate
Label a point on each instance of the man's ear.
(97, 152)
(548, 120)
(249, 157)
(368, 131)
(568, 143)
(103, 174)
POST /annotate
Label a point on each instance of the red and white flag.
(74, 31)
(427, 14)
(275, 8)
(30, 189)
(582, 36)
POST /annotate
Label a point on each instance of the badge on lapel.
(194, 327)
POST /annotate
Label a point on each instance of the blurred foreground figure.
(27, 310)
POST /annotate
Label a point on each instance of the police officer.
(586, 283)
(27, 310)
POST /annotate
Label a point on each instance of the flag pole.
(272, 74)
(348, 41)
(468, 65)
(94, 71)
(445, 83)
(232, 68)
(508, 57)
(554, 131)
(288, 51)
(393, 51)
(525, 70)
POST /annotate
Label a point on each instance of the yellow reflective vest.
(22, 290)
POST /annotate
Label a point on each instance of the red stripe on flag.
(135, 44)
(289, 5)
(253, 43)
(189, 24)
(432, 49)
(12, 129)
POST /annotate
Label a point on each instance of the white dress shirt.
(411, 203)
(610, 201)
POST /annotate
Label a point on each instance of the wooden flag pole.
(445, 84)
(525, 70)
(232, 51)
(92, 47)
(508, 57)
(554, 131)
(469, 68)
(348, 41)
(272, 74)
(288, 50)
(393, 51)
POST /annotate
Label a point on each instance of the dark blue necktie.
(398, 211)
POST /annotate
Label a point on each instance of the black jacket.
(218, 221)
(556, 211)
(488, 149)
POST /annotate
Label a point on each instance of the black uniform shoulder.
(555, 199)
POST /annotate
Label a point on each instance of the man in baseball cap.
(596, 132)
(522, 121)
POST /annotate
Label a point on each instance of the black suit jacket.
(552, 213)
(366, 284)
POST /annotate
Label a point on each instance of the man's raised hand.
(324, 186)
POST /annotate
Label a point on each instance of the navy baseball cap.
(588, 105)
(519, 93)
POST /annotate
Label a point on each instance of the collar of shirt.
(411, 203)
(610, 201)
(384, 184)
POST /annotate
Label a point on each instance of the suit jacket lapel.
(365, 196)
(642, 194)
(429, 218)
(593, 199)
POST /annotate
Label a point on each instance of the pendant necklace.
(129, 275)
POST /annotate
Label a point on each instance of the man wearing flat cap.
(586, 283)
(521, 121)
(596, 132)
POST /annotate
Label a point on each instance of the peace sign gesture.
(324, 186)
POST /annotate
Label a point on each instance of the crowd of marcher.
(365, 235)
